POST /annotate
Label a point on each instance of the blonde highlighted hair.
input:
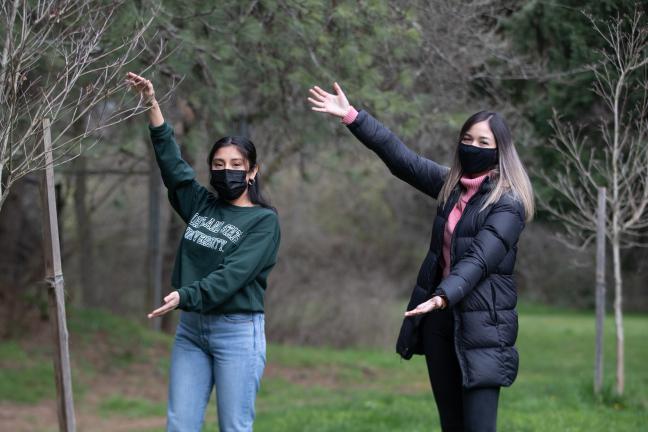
(509, 175)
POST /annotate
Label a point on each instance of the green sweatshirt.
(226, 252)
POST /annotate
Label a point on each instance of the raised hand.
(334, 104)
(435, 302)
(145, 88)
(141, 85)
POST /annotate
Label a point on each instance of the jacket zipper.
(455, 314)
(494, 298)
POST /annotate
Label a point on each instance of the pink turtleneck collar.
(471, 185)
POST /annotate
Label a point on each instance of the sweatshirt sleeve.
(177, 175)
(256, 252)
(499, 234)
(424, 174)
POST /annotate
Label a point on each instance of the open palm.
(334, 104)
(435, 302)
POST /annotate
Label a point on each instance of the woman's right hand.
(141, 85)
(436, 302)
(334, 104)
(145, 88)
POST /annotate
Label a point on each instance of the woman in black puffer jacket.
(466, 280)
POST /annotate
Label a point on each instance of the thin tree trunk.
(618, 312)
(616, 237)
(54, 277)
(600, 291)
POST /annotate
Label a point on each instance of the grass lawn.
(120, 382)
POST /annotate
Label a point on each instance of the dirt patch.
(136, 382)
(326, 376)
(320, 377)
(28, 418)
(42, 416)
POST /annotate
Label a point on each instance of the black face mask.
(475, 159)
(230, 184)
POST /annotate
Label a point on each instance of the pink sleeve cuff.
(350, 116)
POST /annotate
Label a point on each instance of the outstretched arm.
(422, 173)
(177, 175)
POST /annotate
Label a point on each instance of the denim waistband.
(199, 319)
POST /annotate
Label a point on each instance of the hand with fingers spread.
(170, 302)
(145, 88)
(334, 104)
(435, 302)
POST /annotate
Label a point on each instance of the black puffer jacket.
(480, 287)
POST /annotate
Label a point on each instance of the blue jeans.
(226, 351)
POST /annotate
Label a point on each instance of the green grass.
(376, 391)
(28, 383)
(325, 389)
(118, 405)
(553, 390)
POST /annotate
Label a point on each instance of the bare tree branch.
(59, 60)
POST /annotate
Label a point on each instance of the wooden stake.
(54, 277)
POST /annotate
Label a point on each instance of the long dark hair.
(248, 150)
(509, 174)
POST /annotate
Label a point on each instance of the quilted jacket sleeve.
(424, 174)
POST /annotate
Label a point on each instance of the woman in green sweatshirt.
(220, 276)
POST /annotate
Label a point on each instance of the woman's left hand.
(435, 302)
(170, 302)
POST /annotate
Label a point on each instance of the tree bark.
(54, 277)
(618, 312)
(600, 291)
